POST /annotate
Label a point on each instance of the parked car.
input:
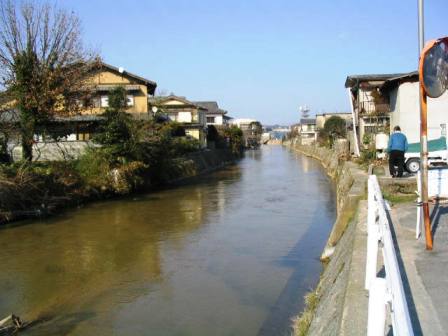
(437, 154)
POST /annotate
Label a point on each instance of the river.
(231, 253)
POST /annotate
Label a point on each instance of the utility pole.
(423, 133)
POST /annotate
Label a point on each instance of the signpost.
(433, 77)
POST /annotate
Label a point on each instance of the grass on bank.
(399, 198)
(399, 191)
(303, 322)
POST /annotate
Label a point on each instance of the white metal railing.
(387, 291)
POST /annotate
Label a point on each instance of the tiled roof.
(211, 106)
(354, 80)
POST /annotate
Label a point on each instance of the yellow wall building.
(106, 78)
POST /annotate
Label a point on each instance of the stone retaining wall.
(350, 186)
(341, 279)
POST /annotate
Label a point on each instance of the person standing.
(398, 145)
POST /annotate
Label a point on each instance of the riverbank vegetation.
(44, 69)
(334, 128)
(126, 155)
(303, 322)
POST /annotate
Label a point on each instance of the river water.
(231, 253)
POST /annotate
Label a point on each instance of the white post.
(372, 235)
(355, 135)
(418, 224)
(376, 324)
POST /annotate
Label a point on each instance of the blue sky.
(259, 59)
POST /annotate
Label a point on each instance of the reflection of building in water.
(220, 198)
(305, 164)
(79, 259)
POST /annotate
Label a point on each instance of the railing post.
(376, 324)
(372, 235)
(418, 224)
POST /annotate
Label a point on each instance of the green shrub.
(128, 177)
(184, 145)
(234, 139)
(118, 133)
(94, 167)
(334, 128)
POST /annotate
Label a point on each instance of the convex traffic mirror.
(435, 67)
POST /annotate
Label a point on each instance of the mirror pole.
(421, 28)
(424, 166)
(423, 131)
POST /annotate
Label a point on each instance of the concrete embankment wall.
(56, 196)
(205, 162)
(340, 289)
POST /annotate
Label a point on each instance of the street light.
(433, 78)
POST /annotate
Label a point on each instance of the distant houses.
(190, 115)
(321, 118)
(308, 131)
(214, 114)
(141, 103)
(252, 131)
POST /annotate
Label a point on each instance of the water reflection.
(216, 256)
(100, 247)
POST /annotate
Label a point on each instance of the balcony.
(373, 109)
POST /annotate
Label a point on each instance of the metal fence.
(385, 294)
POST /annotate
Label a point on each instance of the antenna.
(304, 110)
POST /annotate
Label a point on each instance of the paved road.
(426, 273)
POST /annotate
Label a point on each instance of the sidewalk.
(425, 278)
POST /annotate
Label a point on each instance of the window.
(184, 117)
(83, 136)
(104, 101)
(210, 120)
(129, 100)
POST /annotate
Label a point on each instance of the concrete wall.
(405, 111)
(191, 165)
(54, 151)
(342, 302)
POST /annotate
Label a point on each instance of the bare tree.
(43, 64)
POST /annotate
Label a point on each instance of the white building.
(215, 115)
(403, 93)
(308, 131)
(370, 109)
(242, 122)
